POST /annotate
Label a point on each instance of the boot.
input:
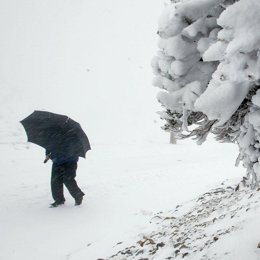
(56, 204)
(78, 200)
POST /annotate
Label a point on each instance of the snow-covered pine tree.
(186, 30)
(209, 69)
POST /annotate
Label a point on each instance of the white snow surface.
(91, 60)
(124, 185)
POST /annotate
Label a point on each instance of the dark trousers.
(64, 174)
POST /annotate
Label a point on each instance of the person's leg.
(71, 184)
(57, 184)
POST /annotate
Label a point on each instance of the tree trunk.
(172, 138)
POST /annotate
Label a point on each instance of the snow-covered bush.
(208, 68)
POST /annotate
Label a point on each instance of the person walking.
(64, 142)
(63, 172)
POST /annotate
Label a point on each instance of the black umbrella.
(56, 133)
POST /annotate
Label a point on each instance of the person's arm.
(48, 156)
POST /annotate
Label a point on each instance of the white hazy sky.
(87, 59)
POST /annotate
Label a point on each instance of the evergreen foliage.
(208, 70)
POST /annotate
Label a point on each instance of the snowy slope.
(123, 192)
(219, 224)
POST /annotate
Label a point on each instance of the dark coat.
(60, 159)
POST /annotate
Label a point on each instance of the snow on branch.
(208, 70)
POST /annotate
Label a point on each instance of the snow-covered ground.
(91, 61)
(219, 224)
(125, 186)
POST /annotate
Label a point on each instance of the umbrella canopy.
(56, 133)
